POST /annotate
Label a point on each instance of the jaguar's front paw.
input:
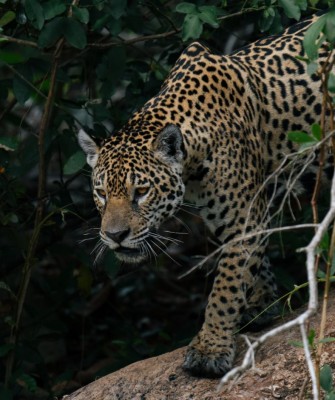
(208, 364)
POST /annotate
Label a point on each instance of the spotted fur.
(212, 135)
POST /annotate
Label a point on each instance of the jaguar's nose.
(117, 236)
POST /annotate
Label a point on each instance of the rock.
(280, 373)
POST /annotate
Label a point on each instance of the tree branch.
(134, 40)
(5, 38)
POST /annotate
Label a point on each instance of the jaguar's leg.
(260, 299)
(211, 352)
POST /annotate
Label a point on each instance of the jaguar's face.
(135, 190)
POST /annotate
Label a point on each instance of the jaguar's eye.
(140, 192)
(101, 193)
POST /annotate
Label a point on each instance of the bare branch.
(29, 43)
(134, 40)
(246, 237)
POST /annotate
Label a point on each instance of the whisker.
(99, 249)
(189, 212)
(150, 249)
(182, 223)
(177, 233)
(191, 205)
(165, 252)
(144, 250)
(160, 241)
(170, 239)
(85, 240)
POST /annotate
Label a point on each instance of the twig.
(303, 388)
(18, 41)
(309, 360)
(246, 237)
(242, 12)
(134, 40)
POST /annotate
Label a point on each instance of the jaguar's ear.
(90, 148)
(169, 144)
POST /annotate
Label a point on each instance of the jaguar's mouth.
(131, 255)
(130, 251)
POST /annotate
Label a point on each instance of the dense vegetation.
(65, 65)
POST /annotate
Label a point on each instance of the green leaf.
(8, 17)
(27, 382)
(320, 274)
(312, 67)
(74, 33)
(326, 378)
(51, 32)
(11, 57)
(53, 8)
(311, 337)
(300, 137)
(186, 8)
(9, 142)
(276, 26)
(311, 42)
(331, 82)
(332, 269)
(118, 8)
(34, 12)
(290, 9)
(295, 343)
(327, 340)
(330, 396)
(6, 348)
(317, 131)
(329, 28)
(324, 242)
(302, 4)
(21, 89)
(74, 163)
(192, 27)
(208, 14)
(114, 26)
(81, 14)
(266, 20)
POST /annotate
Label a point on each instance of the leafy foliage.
(88, 64)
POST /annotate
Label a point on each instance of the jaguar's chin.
(131, 255)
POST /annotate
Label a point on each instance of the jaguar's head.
(137, 185)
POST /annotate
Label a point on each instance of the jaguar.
(212, 136)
